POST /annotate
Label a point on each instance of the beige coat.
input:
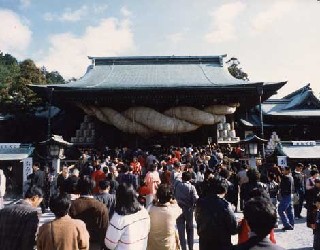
(163, 234)
(63, 234)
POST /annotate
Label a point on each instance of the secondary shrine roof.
(300, 103)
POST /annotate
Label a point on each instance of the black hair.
(176, 164)
(85, 185)
(272, 176)
(153, 167)
(225, 173)
(261, 215)
(220, 185)
(33, 191)
(36, 164)
(126, 200)
(124, 168)
(164, 193)
(217, 185)
(105, 170)
(253, 175)
(60, 204)
(104, 184)
(165, 168)
(186, 176)
(313, 172)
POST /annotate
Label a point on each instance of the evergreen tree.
(15, 96)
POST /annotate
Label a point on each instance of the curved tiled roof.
(155, 72)
(159, 80)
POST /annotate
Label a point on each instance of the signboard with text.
(9, 145)
(304, 143)
(282, 161)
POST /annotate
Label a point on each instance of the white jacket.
(2, 183)
(128, 232)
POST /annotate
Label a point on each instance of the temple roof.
(195, 75)
(155, 72)
(301, 102)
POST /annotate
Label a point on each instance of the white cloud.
(68, 52)
(274, 13)
(74, 15)
(15, 36)
(98, 9)
(70, 15)
(125, 11)
(223, 22)
(25, 3)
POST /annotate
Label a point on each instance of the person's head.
(177, 165)
(164, 193)
(272, 177)
(126, 200)
(36, 166)
(314, 173)
(225, 173)
(46, 169)
(285, 170)
(60, 204)
(261, 215)
(153, 167)
(125, 168)
(189, 167)
(65, 171)
(85, 185)
(253, 175)
(218, 185)
(34, 195)
(186, 176)
(299, 167)
(104, 185)
(98, 167)
(317, 183)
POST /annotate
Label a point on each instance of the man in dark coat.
(105, 197)
(38, 180)
(285, 209)
(261, 216)
(216, 221)
(299, 190)
(19, 222)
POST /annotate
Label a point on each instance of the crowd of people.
(135, 199)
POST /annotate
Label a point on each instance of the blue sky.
(275, 40)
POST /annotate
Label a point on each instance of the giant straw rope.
(146, 121)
